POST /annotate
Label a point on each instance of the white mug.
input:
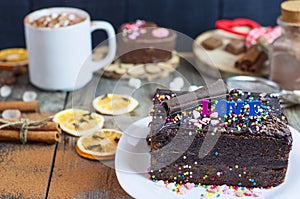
(60, 58)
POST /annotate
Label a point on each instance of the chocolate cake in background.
(143, 42)
(235, 149)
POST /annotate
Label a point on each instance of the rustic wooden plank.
(25, 169)
(76, 177)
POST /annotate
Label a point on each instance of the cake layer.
(246, 176)
(230, 151)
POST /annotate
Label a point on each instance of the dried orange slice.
(99, 145)
(114, 104)
(13, 57)
(78, 122)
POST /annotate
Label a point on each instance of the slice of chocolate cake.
(142, 42)
(236, 138)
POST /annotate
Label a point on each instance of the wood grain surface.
(25, 168)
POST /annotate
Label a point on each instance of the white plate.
(133, 159)
(219, 58)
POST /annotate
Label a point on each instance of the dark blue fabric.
(11, 23)
(190, 17)
(263, 11)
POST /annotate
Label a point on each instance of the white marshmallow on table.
(29, 96)
(5, 91)
(135, 83)
(177, 84)
(179, 81)
(11, 114)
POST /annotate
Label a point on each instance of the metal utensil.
(258, 84)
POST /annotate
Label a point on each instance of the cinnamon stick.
(243, 67)
(49, 137)
(50, 126)
(248, 58)
(192, 99)
(20, 105)
(259, 62)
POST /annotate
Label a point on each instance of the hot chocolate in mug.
(58, 41)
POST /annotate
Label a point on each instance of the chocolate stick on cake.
(243, 141)
(192, 99)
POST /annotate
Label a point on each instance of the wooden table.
(37, 170)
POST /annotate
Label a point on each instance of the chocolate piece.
(192, 99)
(250, 152)
(211, 43)
(235, 46)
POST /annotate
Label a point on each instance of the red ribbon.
(229, 25)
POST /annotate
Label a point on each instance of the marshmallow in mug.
(56, 20)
